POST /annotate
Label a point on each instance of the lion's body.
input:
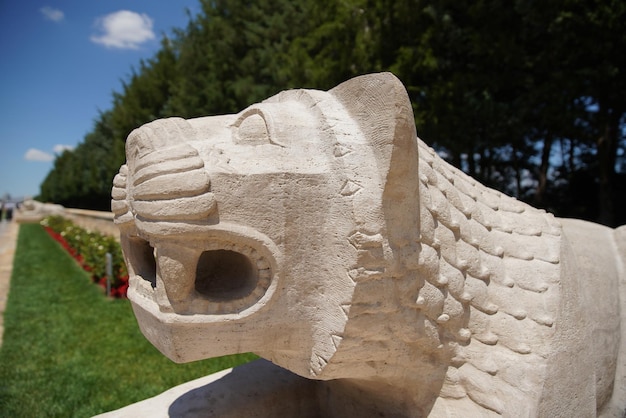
(543, 293)
(318, 231)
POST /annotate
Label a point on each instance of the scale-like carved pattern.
(477, 248)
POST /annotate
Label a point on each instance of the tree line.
(529, 97)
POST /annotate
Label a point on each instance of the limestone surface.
(316, 230)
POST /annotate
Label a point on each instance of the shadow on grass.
(69, 351)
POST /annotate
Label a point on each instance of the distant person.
(8, 211)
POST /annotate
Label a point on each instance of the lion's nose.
(158, 135)
(166, 179)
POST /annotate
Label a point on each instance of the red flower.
(119, 290)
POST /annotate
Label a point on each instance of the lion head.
(249, 232)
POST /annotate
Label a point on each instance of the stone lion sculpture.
(32, 211)
(316, 230)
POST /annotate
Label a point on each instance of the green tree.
(593, 37)
(528, 97)
(339, 40)
(497, 85)
(233, 54)
(146, 95)
(82, 178)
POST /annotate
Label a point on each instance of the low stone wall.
(33, 211)
(94, 220)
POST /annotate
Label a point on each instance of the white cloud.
(49, 13)
(59, 148)
(124, 30)
(38, 155)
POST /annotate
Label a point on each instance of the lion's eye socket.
(253, 131)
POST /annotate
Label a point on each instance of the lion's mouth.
(230, 279)
(218, 277)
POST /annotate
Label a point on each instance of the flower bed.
(89, 249)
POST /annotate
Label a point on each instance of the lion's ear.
(380, 105)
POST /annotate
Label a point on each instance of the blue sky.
(60, 61)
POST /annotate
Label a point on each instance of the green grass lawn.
(67, 350)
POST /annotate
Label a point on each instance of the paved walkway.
(8, 240)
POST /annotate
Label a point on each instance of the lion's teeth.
(176, 267)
